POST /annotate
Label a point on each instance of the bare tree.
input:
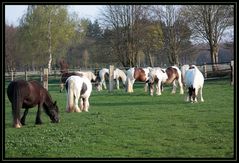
(209, 23)
(124, 21)
(175, 30)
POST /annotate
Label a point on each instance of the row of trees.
(126, 35)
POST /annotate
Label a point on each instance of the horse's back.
(77, 84)
(17, 86)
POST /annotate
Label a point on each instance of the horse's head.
(97, 83)
(53, 113)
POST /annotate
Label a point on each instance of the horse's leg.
(24, 116)
(174, 87)
(76, 106)
(145, 87)
(81, 104)
(187, 96)
(160, 88)
(86, 104)
(151, 89)
(16, 113)
(181, 86)
(100, 86)
(104, 84)
(196, 95)
(202, 100)
(127, 85)
(117, 83)
(38, 117)
(61, 87)
(157, 88)
(16, 118)
(132, 86)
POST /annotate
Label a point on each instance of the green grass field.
(136, 125)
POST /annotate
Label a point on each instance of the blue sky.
(13, 13)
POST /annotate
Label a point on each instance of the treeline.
(124, 35)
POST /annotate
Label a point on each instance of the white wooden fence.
(205, 69)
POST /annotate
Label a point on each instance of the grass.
(136, 125)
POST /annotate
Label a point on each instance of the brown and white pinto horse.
(136, 74)
(165, 76)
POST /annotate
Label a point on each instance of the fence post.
(41, 74)
(111, 77)
(205, 70)
(26, 75)
(45, 78)
(12, 75)
(232, 72)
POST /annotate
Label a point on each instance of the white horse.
(171, 75)
(194, 81)
(119, 74)
(103, 74)
(136, 74)
(90, 75)
(78, 88)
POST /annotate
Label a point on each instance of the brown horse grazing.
(28, 94)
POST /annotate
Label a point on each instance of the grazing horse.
(119, 74)
(136, 74)
(90, 75)
(165, 76)
(194, 81)
(28, 94)
(103, 75)
(78, 88)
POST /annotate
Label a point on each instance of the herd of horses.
(28, 94)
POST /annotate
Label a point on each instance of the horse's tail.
(16, 104)
(70, 96)
(182, 79)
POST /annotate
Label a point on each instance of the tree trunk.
(214, 56)
(150, 60)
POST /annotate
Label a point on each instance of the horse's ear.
(55, 103)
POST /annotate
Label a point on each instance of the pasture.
(124, 125)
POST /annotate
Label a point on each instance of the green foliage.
(34, 32)
(136, 125)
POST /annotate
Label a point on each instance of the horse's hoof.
(78, 110)
(17, 126)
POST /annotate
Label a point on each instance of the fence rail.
(224, 70)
